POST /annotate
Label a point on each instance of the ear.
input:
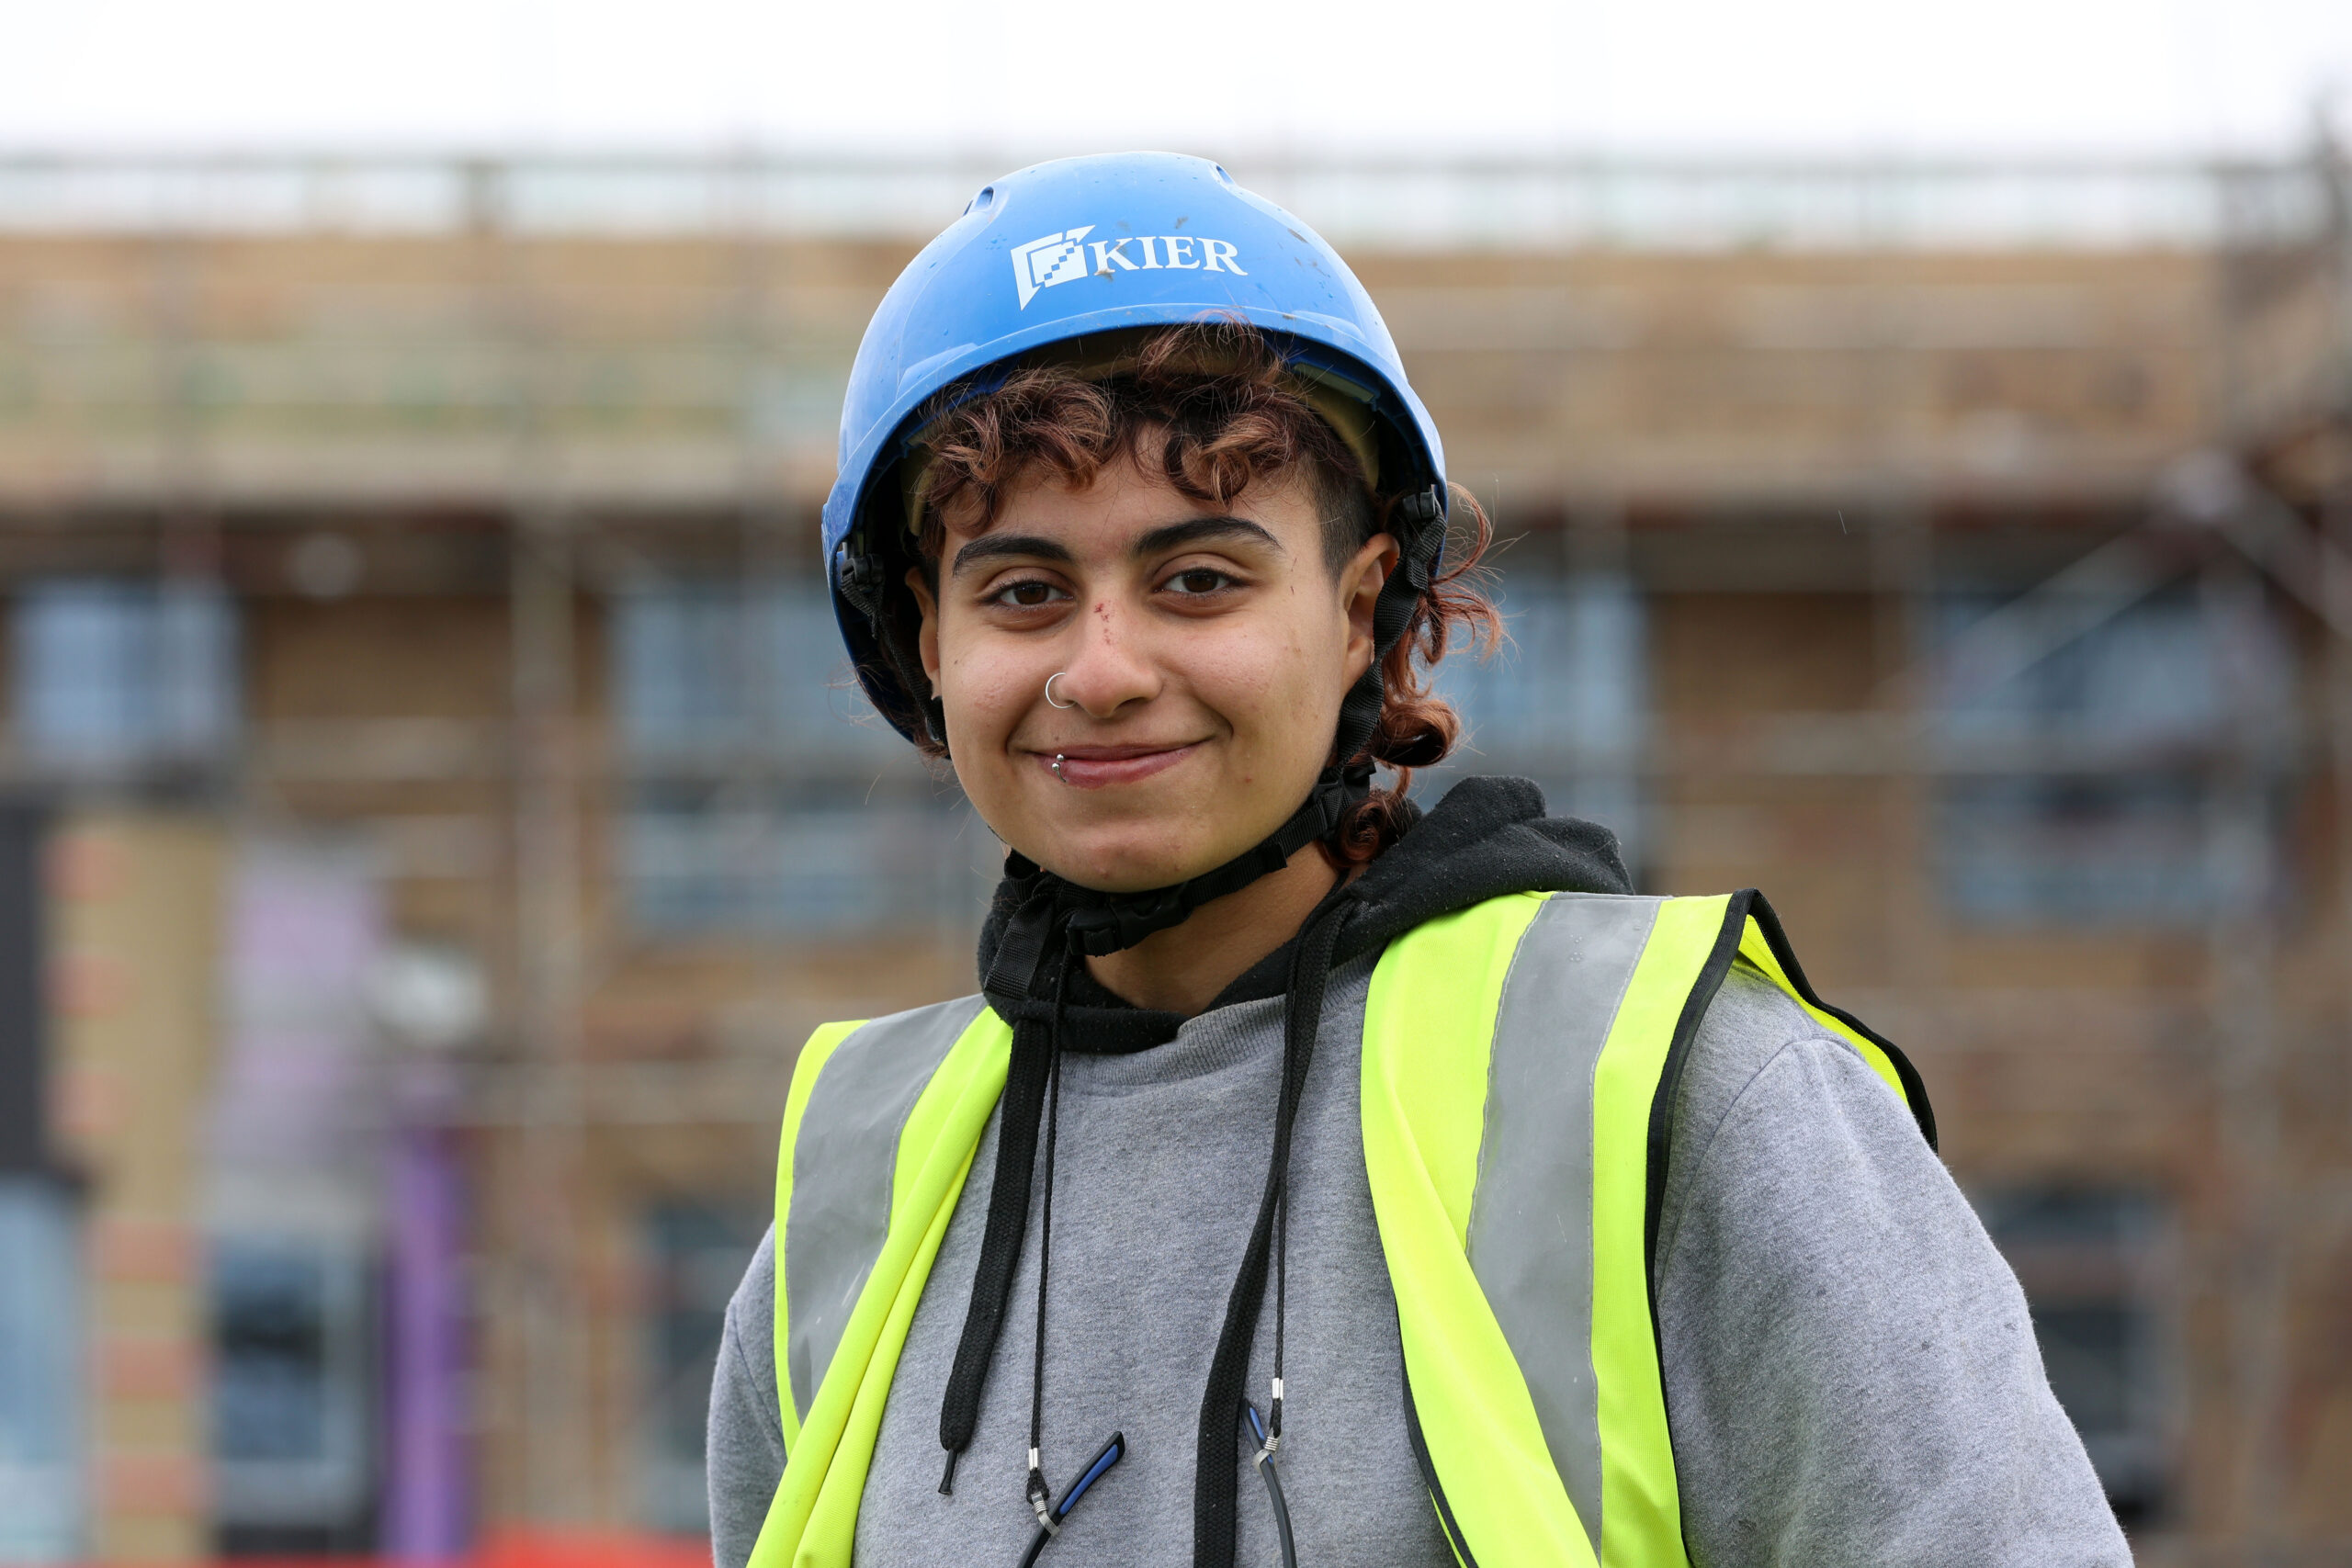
(927, 637)
(1360, 583)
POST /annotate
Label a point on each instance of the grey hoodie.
(1850, 1370)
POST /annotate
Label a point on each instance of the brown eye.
(1030, 595)
(1200, 580)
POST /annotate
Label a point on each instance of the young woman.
(1312, 1178)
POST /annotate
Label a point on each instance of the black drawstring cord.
(1041, 1494)
(1053, 922)
(1016, 1154)
(1214, 1483)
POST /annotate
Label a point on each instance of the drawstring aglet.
(947, 1481)
(1275, 1418)
(1040, 1495)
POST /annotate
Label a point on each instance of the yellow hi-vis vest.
(1520, 1063)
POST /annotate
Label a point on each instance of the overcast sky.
(1218, 76)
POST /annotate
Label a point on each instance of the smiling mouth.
(1098, 767)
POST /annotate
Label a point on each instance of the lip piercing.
(1050, 700)
(1057, 768)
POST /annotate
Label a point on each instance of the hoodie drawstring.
(1026, 1078)
(1054, 923)
(1216, 1479)
(1031, 1116)
(1041, 1495)
(1053, 926)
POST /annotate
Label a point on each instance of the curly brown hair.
(1211, 408)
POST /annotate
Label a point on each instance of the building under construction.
(436, 808)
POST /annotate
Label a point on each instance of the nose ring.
(1050, 700)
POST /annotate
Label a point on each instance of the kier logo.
(1057, 259)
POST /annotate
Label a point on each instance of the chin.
(1128, 863)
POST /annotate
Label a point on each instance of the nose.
(1110, 668)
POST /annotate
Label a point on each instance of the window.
(697, 1252)
(1565, 701)
(707, 671)
(115, 674)
(41, 1387)
(2091, 1262)
(2145, 673)
(2106, 818)
(777, 858)
(764, 794)
(290, 1408)
(2081, 849)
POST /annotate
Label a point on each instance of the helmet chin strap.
(1092, 923)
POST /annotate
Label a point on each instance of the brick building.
(441, 808)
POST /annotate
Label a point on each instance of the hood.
(1488, 836)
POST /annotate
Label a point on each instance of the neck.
(1181, 969)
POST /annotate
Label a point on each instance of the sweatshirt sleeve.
(1851, 1373)
(744, 1450)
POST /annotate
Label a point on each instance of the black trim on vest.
(1661, 1130)
(1915, 1088)
(1743, 905)
(1428, 1466)
(1670, 1078)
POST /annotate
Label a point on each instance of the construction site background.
(436, 810)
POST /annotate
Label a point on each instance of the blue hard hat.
(1073, 248)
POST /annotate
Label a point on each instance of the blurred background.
(433, 808)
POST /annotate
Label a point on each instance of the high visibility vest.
(1520, 1063)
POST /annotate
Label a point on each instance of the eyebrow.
(991, 546)
(1171, 537)
(1199, 530)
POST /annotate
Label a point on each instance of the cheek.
(976, 691)
(1269, 682)
(985, 694)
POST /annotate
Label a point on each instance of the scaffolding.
(751, 279)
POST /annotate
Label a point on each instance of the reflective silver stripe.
(841, 1168)
(1531, 1213)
